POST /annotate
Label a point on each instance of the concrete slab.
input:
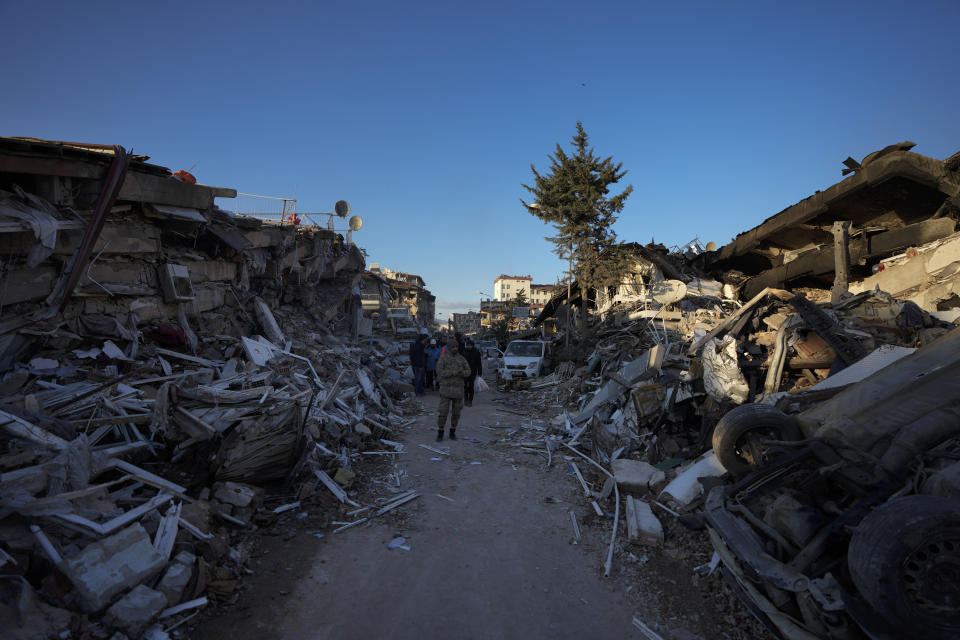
(881, 357)
(132, 613)
(635, 475)
(174, 581)
(106, 568)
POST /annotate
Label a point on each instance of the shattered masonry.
(161, 361)
(784, 389)
(164, 361)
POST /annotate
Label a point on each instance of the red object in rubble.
(185, 176)
(294, 218)
(168, 335)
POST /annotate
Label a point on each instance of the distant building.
(411, 292)
(506, 287)
(540, 294)
(466, 323)
(494, 311)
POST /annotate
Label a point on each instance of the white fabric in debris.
(41, 222)
(721, 374)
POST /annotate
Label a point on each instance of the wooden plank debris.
(167, 531)
(193, 529)
(646, 631)
(334, 488)
(396, 503)
(576, 525)
(287, 507)
(213, 364)
(352, 524)
(148, 478)
(28, 431)
(583, 483)
(110, 526)
(185, 606)
(333, 390)
(46, 545)
(435, 450)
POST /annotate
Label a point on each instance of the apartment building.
(506, 287)
(540, 294)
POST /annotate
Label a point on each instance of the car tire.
(731, 442)
(904, 558)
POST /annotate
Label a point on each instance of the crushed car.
(843, 520)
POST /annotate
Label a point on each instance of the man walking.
(472, 355)
(418, 362)
(451, 369)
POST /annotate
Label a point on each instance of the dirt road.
(493, 558)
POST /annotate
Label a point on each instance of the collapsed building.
(789, 392)
(891, 224)
(161, 361)
(411, 292)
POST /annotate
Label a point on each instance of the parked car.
(843, 521)
(524, 359)
(488, 348)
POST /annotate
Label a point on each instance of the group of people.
(451, 369)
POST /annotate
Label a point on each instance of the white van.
(524, 359)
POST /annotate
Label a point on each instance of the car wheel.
(904, 558)
(738, 437)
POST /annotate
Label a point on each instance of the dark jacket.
(418, 355)
(474, 360)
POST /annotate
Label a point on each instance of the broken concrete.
(635, 475)
(174, 581)
(110, 566)
(235, 493)
(132, 613)
(642, 526)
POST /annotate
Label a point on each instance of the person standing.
(433, 354)
(452, 368)
(418, 362)
(472, 355)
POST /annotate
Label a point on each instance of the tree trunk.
(584, 325)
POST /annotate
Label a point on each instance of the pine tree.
(521, 299)
(574, 198)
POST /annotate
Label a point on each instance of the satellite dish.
(355, 223)
(711, 246)
(342, 208)
(668, 291)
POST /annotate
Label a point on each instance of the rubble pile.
(151, 396)
(795, 424)
(650, 394)
(675, 349)
(636, 423)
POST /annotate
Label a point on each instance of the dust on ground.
(491, 554)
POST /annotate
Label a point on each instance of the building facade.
(540, 294)
(466, 323)
(412, 292)
(507, 287)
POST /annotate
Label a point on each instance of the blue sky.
(426, 116)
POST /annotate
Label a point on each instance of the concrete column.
(841, 260)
